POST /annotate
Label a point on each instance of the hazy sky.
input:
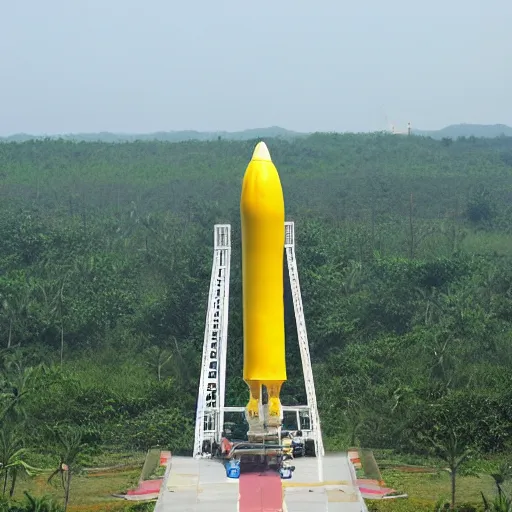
(142, 66)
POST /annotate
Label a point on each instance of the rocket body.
(263, 217)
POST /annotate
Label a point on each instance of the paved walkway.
(323, 484)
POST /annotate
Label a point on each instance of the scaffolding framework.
(212, 387)
(302, 336)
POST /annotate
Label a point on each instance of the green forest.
(404, 248)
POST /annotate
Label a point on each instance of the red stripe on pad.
(260, 492)
(146, 487)
(382, 491)
(165, 457)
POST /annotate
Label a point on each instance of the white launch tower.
(212, 387)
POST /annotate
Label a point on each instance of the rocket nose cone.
(261, 152)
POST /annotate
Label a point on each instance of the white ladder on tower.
(212, 386)
(302, 336)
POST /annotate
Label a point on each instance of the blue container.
(286, 473)
(233, 469)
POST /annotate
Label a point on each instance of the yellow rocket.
(262, 214)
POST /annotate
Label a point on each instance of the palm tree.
(451, 450)
(53, 300)
(503, 474)
(15, 308)
(18, 383)
(12, 453)
(69, 446)
(158, 358)
(501, 503)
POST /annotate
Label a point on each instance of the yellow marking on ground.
(339, 496)
(177, 480)
(316, 484)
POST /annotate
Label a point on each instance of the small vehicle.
(293, 444)
(298, 448)
(233, 469)
(286, 471)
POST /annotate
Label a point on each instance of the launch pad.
(201, 485)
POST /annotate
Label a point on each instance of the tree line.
(404, 253)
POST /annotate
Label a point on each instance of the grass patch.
(158, 472)
(437, 485)
(89, 492)
(116, 460)
(426, 482)
(85, 490)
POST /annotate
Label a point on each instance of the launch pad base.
(250, 448)
(201, 485)
(262, 434)
(263, 428)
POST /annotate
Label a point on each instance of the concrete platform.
(197, 485)
(324, 484)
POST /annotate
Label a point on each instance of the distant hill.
(467, 130)
(173, 136)
(453, 131)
